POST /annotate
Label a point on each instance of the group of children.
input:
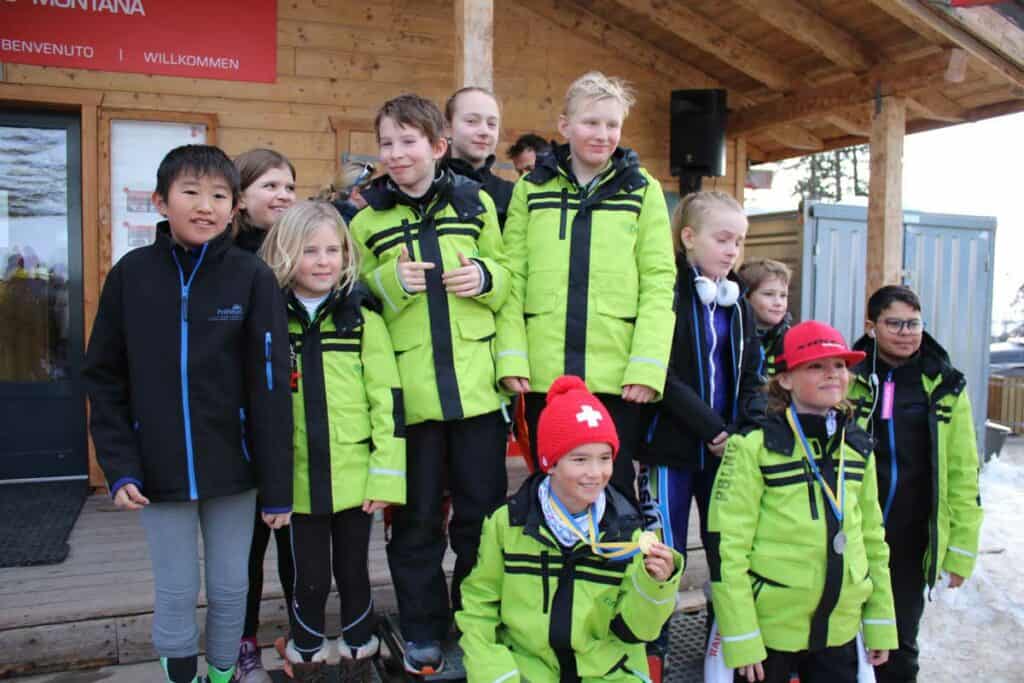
(366, 362)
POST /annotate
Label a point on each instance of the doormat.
(36, 520)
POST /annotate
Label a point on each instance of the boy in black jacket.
(187, 376)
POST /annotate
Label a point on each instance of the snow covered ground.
(976, 633)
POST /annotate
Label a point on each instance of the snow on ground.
(976, 632)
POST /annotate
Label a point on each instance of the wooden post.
(885, 199)
(740, 170)
(474, 43)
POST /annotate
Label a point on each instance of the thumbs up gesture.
(412, 274)
(466, 281)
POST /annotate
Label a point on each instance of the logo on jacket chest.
(232, 313)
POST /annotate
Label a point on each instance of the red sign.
(224, 39)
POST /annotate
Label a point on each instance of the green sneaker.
(215, 675)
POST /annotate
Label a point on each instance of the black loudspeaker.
(697, 137)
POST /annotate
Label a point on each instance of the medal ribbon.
(612, 551)
(836, 503)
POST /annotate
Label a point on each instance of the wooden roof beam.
(935, 106)
(474, 43)
(853, 121)
(941, 27)
(993, 29)
(880, 81)
(809, 27)
(796, 137)
(694, 28)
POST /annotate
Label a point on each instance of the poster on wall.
(136, 149)
(222, 39)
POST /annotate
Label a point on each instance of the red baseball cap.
(811, 340)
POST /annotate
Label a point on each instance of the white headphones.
(725, 292)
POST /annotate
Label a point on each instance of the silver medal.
(839, 543)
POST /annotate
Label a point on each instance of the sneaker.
(250, 668)
(297, 668)
(423, 658)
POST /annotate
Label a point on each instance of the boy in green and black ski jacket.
(915, 403)
(443, 339)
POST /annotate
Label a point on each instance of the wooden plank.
(739, 187)
(357, 66)
(991, 28)
(931, 104)
(941, 29)
(853, 120)
(58, 647)
(809, 27)
(474, 43)
(884, 80)
(885, 205)
(796, 137)
(692, 27)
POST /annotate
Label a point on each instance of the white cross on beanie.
(589, 415)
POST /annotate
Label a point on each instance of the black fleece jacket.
(187, 375)
(685, 420)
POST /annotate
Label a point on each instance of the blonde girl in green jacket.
(796, 548)
(593, 270)
(349, 433)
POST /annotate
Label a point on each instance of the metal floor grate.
(685, 665)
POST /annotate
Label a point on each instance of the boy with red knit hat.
(567, 586)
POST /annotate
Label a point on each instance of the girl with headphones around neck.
(713, 383)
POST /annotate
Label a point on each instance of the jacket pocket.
(245, 445)
(479, 327)
(350, 423)
(617, 295)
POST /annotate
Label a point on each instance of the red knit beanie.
(572, 417)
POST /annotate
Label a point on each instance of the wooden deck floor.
(95, 608)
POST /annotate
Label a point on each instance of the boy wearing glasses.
(915, 404)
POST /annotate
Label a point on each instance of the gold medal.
(646, 542)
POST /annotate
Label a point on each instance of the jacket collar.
(344, 307)
(464, 168)
(448, 189)
(687, 275)
(932, 357)
(779, 437)
(215, 248)
(619, 522)
(625, 164)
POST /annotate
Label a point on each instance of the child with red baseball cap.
(797, 553)
(567, 586)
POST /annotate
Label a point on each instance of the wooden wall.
(342, 59)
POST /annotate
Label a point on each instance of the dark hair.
(885, 296)
(201, 160)
(251, 165)
(413, 111)
(449, 105)
(528, 141)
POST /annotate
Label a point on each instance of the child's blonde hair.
(694, 207)
(282, 249)
(594, 85)
(757, 272)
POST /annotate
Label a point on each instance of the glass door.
(42, 406)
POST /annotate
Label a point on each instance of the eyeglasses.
(897, 325)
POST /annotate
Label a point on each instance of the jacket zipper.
(894, 467)
(193, 491)
(266, 355)
(245, 446)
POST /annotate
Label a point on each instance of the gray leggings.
(226, 524)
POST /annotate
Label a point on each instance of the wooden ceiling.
(803, 75)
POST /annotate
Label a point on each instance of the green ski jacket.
(535, 611)
(593, 277)
(777, 580)
(954, 526)
(443, 343)
(347, 406)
